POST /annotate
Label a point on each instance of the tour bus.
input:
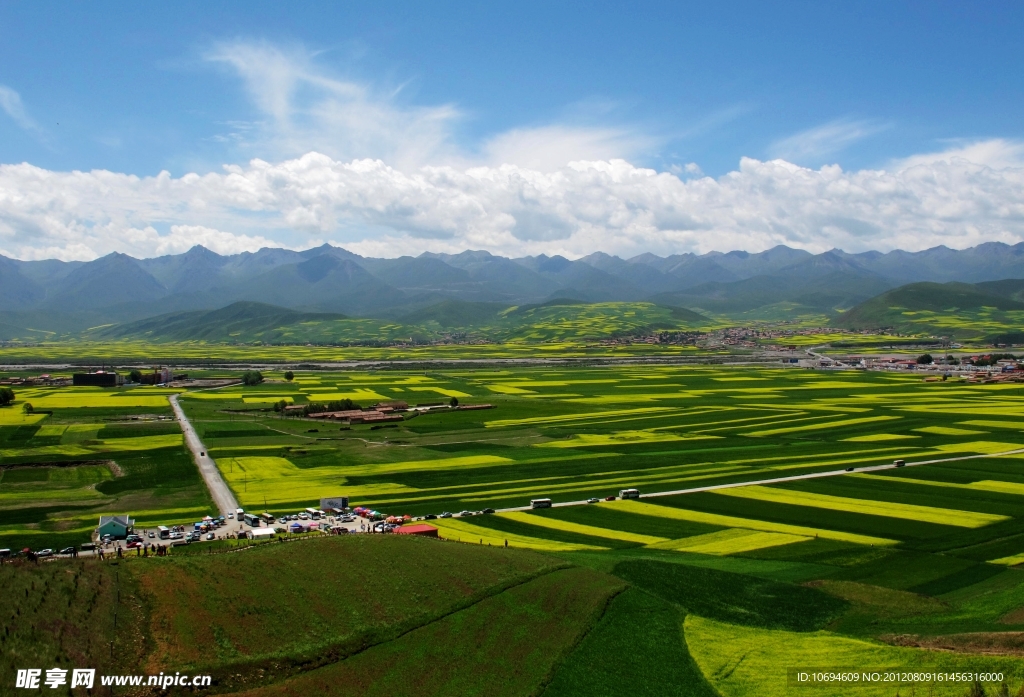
(267, 518)
(163, 531)
(252, 520)
(314, 513)
(629, 494)
(540, 503)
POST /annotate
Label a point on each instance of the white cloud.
(823, 140)
(10, 102)
(995, 153)
(607, 205)
(549, 148)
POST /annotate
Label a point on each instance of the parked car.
(67, 550)
(303, 516)
(44, 553)
(899, 463)
(133, 545)
(106, 539)
(176, 535)
(210, 536)
(231, 516)
(151, 535)
(593, 500)
(446, 514)
(849, 469)
(464, 514)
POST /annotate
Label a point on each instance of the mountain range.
(44, 298)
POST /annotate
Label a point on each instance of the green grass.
(636, 649)
(743, 661)
(733, 597)
(339, 614)
(465, 653)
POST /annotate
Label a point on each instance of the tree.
(28, 408)
(453, 402)
(252, 377)
(925, 359)
(289, 376)
(6, 396)
(135, 375)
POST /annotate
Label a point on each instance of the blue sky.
(686, 90)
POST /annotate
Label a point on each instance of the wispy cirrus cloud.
(304, 107)
(824, 140)
(10, 102)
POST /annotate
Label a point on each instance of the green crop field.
(871, 568)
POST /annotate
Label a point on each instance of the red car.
(133, 545)
(609, 498)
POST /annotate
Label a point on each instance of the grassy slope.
(62, 616)
(928, 307)
(260, 612)
(636, 649)
(504, 645)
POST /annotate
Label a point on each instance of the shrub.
(454, 402)
(289, 376)
(28, 408)
(252, 377)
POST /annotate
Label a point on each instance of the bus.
(252, 520)
(629, 494)
(314, 513)
(163, 532)
(267, 518)
(540, 503)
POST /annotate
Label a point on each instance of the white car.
(176, 535)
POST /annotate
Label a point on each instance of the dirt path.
(223, 498)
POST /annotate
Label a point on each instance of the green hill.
(556, 320)
(955, 310)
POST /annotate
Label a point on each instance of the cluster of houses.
(382, 412)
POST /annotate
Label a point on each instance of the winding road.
(221, 493)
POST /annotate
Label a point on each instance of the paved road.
(219, 490)
(791, 478)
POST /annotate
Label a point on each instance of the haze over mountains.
(70, 296)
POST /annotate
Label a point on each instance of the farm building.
(117, 526)
(423, 530)
(99, 378)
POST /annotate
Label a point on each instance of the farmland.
(869, 568)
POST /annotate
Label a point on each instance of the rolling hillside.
(955, 310)
(248, 322)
